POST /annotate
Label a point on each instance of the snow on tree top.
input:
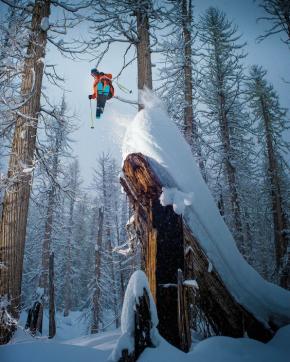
(153, 134)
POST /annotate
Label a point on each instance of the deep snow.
(97, 348)
(153, 134)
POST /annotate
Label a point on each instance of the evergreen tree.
(178, 85)
(73, 184)
(227, 125)
(271, 122)
(23, 149)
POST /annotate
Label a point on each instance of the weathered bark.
(279, 217)
(144, 66)
(161, 234)
(52, 326)
(97, 292)
(16, 199)
(162, 257)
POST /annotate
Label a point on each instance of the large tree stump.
(163, 236)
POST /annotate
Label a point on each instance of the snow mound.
(153, 134)
(135, 289)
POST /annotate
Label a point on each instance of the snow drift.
(135, 290)
(154, 135)
(98, 347)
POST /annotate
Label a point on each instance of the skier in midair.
(102, 89)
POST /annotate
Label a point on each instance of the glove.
(90, 96)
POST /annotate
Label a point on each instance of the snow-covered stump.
(160, 231)
(138, 321)
(159, 168)
(34, 319)
(35, 314)
(228, 301)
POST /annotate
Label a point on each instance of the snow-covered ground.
(98, 348)
(72, 326)
(153, 134)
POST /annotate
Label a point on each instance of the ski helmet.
(94, 71)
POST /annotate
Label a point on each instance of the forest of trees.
(229, 113)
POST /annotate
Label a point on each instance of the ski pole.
(92, 123)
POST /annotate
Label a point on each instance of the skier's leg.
(98, 109)
(102, 103)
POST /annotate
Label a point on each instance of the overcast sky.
(109, 130)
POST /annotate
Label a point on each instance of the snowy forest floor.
(70, 345)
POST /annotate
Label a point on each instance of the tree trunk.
(97, 291)
(190, 124)
(161, 234)
(52, 326)
(16, 199)
(68, 262)
(230, 172)
(143, 49)
(46, 244)
(113, 274)
(279, 217)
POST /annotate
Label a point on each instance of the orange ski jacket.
(106, 79)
